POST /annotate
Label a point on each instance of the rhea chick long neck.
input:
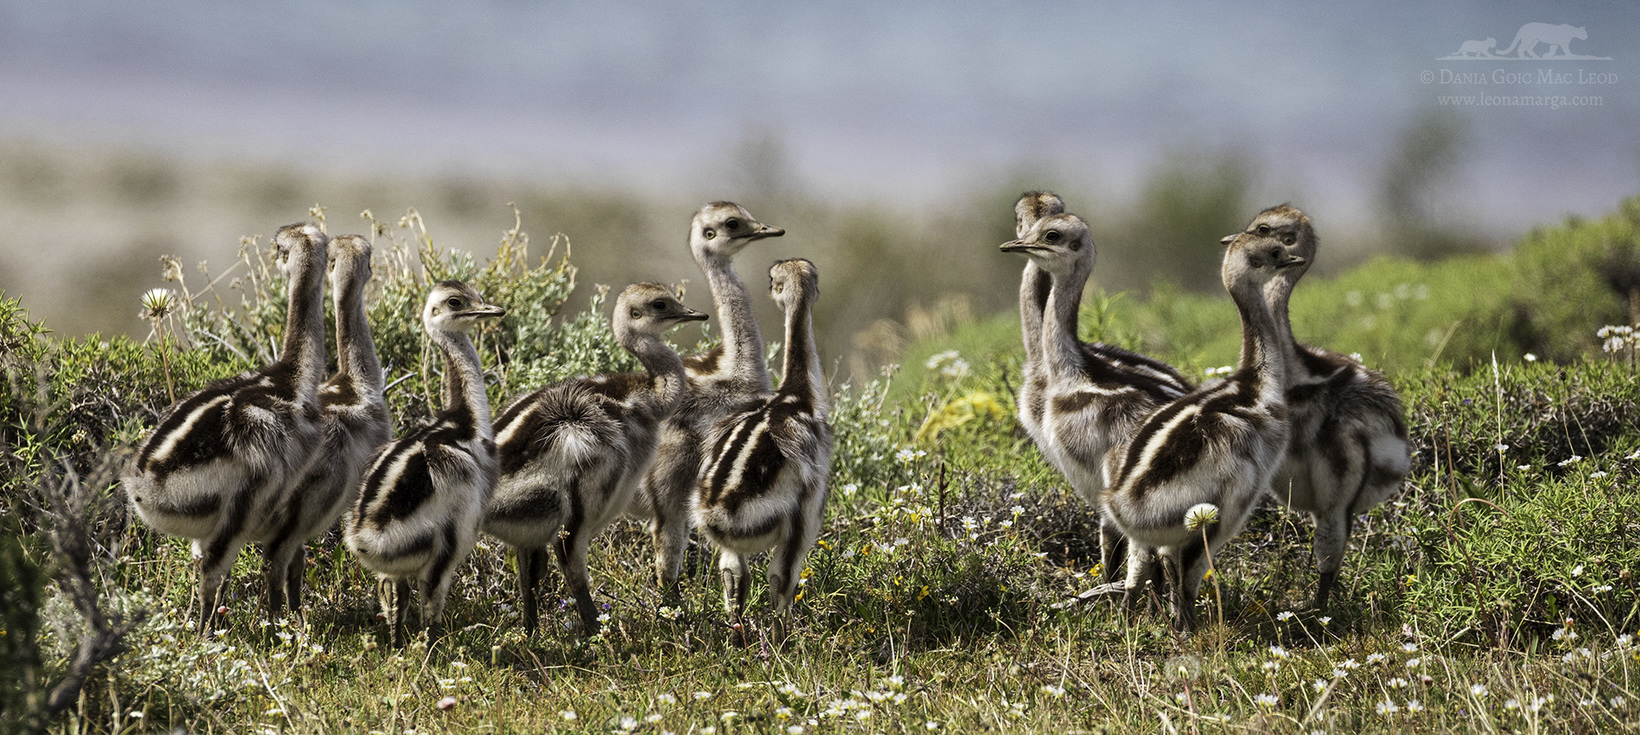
(355, 349)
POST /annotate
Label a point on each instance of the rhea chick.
(1088, 399)
(763, 486)
(1034, 287)
(572, 454)
(1212, 450)
(354, 420)
(221, 466)
(730, 373)
(1348, 451)
(422, 500)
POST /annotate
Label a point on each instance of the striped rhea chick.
(220, 467)
(1211, 452)
(422, 499)
(763, 485)
(353, 418)
(1348, 450)
(572, 454)
(730, 373)
(1034, 286)
(1089, 399)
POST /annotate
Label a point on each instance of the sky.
(900, 100)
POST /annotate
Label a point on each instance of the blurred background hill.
(890, 141)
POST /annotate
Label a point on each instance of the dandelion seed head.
(1200, 516)
(157, 303)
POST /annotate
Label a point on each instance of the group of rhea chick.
(276, 456)
(1177, 469)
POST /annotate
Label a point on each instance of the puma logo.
(1543, 41)
(1556, 36)
(1477, 48)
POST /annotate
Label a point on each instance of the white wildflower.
(1201, 515)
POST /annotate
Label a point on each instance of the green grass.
(1496, 593)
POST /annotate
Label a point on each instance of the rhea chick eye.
(1052, 236)
(1263, 229)
(657, 305)
(732, 224)
(454, 302)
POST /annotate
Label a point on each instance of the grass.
(1495, 594)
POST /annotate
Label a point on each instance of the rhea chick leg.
(572, 560)
(1332, 535)
(532, 563)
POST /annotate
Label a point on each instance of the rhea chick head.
(1058, 243)
(1283, 224)
(1033, 206)
(297, 245)
(650, 308)
(1255, 262)
(349, 259)
(792, 281)
(723, 228)
(453, 306)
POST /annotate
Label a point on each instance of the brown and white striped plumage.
(422, 499)
(1348, 451)
(1216, 446)
(764, 483)
(220, 467)
(572, 454)
(730, 373)
(1087, 400)
(353, 420)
